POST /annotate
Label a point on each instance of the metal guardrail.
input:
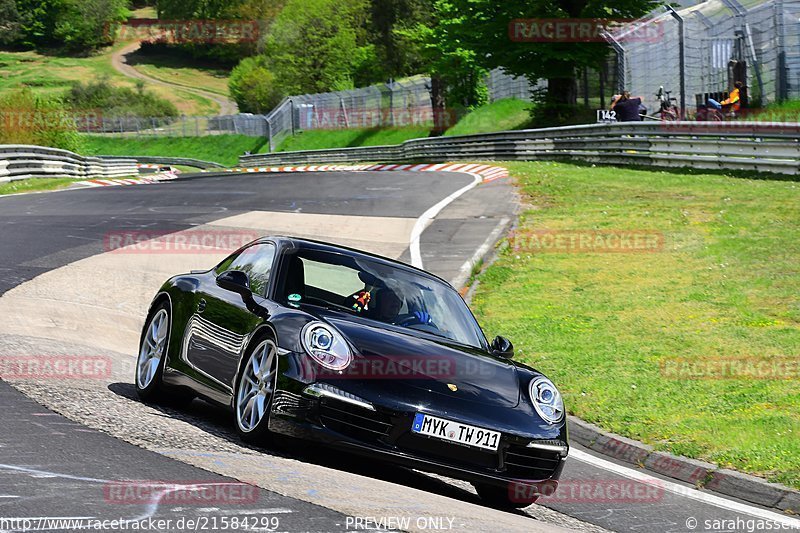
(18, 162)
(159, 160)
(749, 146)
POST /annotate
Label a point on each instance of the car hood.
(392, 359)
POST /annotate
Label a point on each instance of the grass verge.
(602, 325)
(344, 138)
(223, 149)
(788, 111)
(506, 114)
(501, 115)
(35, 185)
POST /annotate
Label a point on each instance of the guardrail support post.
(681, 58)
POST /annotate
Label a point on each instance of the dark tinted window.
(256, 262)
(380, 292)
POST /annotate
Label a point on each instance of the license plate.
(455, 432)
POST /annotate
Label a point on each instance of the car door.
(220, 327)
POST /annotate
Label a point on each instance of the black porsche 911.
(361, 353)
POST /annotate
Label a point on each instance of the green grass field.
(35, 185)
(182, 71)
(502, 115)
(725, 285)
(318, 139)
(54, 75)
(223, 149)
(788, 111)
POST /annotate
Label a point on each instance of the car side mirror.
(235, 281)
(502, 347)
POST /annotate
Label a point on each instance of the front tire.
(255, 388)
(152, 355)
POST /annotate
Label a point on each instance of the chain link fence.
(722, 41)
(395, 104)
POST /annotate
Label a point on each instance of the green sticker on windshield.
(294, 297)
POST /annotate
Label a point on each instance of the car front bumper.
(386, 435)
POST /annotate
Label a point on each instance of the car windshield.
(380, 292)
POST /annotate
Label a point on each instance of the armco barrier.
(19, 162)
(749, 146)
(163, 160)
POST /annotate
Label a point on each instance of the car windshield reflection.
(379, 292)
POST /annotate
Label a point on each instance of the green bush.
(253, 86)
(118, 101)
(26, 118)
(74, 25)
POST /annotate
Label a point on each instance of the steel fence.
(749, 146)
(18, 162)
(398, 103)
(718, 37)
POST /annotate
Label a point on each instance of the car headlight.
(326, 346)
(547, 400)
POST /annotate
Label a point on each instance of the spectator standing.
(627, 108)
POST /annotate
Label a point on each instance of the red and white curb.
(480, 173)
(111, 182)
(486, 172)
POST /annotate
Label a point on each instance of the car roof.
(311, 244)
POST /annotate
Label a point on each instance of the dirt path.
(120, 63)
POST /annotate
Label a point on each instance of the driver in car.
(388, 310)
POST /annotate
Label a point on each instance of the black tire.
(256, 432)
(501, 497)
(151, 389)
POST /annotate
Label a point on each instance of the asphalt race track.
(63, 293)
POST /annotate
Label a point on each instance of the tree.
(9, 22)
(395, 53)
(253, 86)
(197, 9)
(482, 27)
(38, 19)
(313, 45)
(90, 24)
(455, 69)
(81, 25)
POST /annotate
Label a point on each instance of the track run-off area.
(66, 289)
